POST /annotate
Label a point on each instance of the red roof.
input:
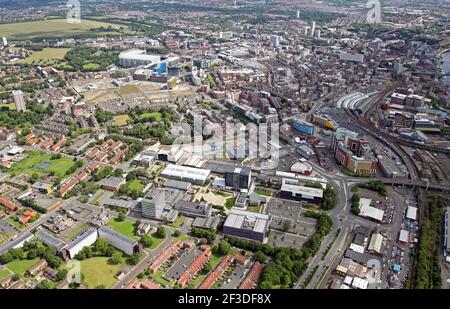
(216, 273)
(195, 266)
(252, 276)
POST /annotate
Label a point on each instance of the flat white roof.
(404, 236)
(376, 242)
(186, 172)
(411, 213)
(306, 192)
(360, 283)
(369, 211)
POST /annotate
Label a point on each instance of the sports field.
(155, 115)
(47, 56)
(52, 28)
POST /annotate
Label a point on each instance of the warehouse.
(369, 211)
(292, 191)
(246, 224)
(411, 213)
(185, 173)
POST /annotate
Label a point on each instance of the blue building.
(302, 126)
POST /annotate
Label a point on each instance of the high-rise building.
(19, 99)
(238, 178)
(313, 28)
(153, 204)
(5, 42)
(298, 13)
(275, 41)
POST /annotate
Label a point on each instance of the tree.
(224, 247)
(177, 233)
(6, 258)
(146, 241)
(207, 268)
(116, 258)
(260, 256)
(44, 285)
(101, 246)
(133, 259)
(118, 172)
(62, 274)
(34, 177)
(121, 216)
(286, 225)
(161, 232)
(355, 204)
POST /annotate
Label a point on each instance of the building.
(19, 99)
(238, 177)
(447, 230)
(368, 211)
(50, 240)
(305, 151)
(411, 213)
(353, 152)
(119, 241)
(136, 57)
(292, 191)
(153, 204)
(324, 121)
(185, 173)
(302, 126)
(391, 169)
(17, 243)
(9, 205)
(190, 209)
(112, 183)
(403, 237)
(37, 268)
(376, 243)
(343, 56)
(246, 224)
(87, 238)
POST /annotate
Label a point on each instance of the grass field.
(121, 120)
(178, 222)
(156, 242)
(3, 274)
(97, 197)
(91, 66)
(47, 56)
(156, 115)
(256, 209)
(16, 223)
(135, 185)
(10, 106)
(96, 271)
(181, 237)
(80, 229)
(263, 193)
(124, 227)
(31, 162)
(129, 89)
(19, 267)
(52, 28)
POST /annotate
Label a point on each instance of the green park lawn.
(91, 66)
(80, 229)
(10, 106)
(178, 222)
(3, 274)
(125, 227)
(19, 267)
(256, 209)
(97, 271)
(156, 242)
(30, 164)
(135, 185)
(52, 28)
(121, 120)
(156, 115)
(47, 56)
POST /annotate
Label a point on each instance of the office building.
(238, 177)
(119, 241)
(324, 121)
(302, 126)
(5, 42)
(153, 204)
(17, 243)
(191, 209)
(246, 224)
(19, 99)
(351, 57)
(290, 189)
(86, 239)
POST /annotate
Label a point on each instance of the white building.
(136, 57)
(411, 213)
(117, 240)
(19, 99)
(351, 57)
(86, 239)
(5, 42)
(186, 173)
(369, 211)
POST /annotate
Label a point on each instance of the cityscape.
(222, 144)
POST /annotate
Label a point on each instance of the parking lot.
(280, 239)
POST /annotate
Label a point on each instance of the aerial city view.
(221, 144)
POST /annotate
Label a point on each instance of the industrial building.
(368, 211)
(119, 241)
(185, 173)
(136, 57)
(87, 238)
(302, 126)
(292, 191)
(246, 224)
